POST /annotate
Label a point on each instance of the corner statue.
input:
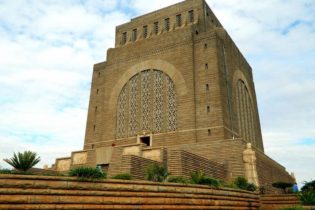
(249, 158)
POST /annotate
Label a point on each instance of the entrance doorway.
(146, 140)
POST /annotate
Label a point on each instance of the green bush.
(87, 173)
(210, 181)
(122, 176)
(177, 179)
(251, 187)
(282, 185)
(156, 173)
(198, 177)
(243, 184)
(308, 186)
(5, 171)
(307, 197)
(23, 161)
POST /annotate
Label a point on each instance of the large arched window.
(147, 102)
(245, 112)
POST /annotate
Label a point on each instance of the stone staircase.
(45, 192)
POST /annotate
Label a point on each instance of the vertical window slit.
(124, 38)
(191, 16)
(167, 24)
(145, 31)
(156, 27)
(179, 20)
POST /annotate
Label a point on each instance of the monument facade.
(177, 91)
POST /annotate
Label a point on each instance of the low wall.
(136, 165)
(269, 171)
(274, 202)
(191, 163)
(44, 192)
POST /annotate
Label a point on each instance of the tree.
(23, 161)
(282, 185)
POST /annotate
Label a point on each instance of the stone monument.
(176, 91)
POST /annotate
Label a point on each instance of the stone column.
(249, 158)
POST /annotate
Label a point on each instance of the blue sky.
(48, 48)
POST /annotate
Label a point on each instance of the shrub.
(198, 177)
(243, 184)
(282, 185)
(23, 161)
(122, 176)
(156, 173)
(251, 187)
(177, 179)
(5, 171)
(308, 186)
(87, 173)
(307, 197)
(210, 181)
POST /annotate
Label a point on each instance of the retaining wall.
(274, 202)
(44, 192)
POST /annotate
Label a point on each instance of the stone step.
(117, 200)
(40, 192)
(56, 192)
(111, 206)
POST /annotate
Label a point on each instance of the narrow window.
(179, 20)
(206, 45)
(145, 31)
(191, 16)
(208, 108)
(96, 109)
(206, 65)
(92, 146)
(134, 34)
(209, 132)
(207, 86)
(155, 27)
(197, 32)
(97, 90)
(94, 127)
(124, 38)
(99, 74)
(167, 24)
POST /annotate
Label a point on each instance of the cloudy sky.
(48, 48)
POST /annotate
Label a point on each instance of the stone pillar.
(249, 158)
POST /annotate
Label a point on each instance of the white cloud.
(47, 50)
(278, 39)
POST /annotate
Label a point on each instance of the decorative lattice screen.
(146, 102)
